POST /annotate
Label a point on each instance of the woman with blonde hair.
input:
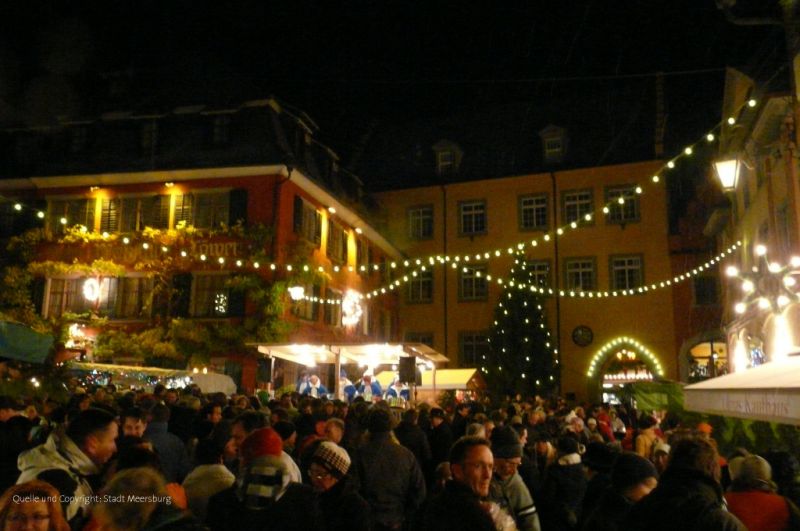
(33, 502)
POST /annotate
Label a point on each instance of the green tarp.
(653, 396)
(19, 342)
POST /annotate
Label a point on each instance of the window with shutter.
(211, 210)
(183, 210)
(155, 212)
(109, 215)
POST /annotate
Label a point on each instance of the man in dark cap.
(632, 478)
(507, 488)
(389, 476)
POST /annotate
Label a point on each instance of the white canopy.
(372, 354)
(770, 392)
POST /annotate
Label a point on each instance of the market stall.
(459, 380)
(770, 392)
(21, 343)
(146, 377)
(365, 355)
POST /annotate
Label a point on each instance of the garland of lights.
(677, 279)
(772, 286)
(600, 354)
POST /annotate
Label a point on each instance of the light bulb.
(763, 303)
(774, 267)
(747, 286)
(732, 271)
(656, 178)
(710, 137)
(731, 120)
(761, 250)
(670, 164)
(751, 103)
(783, 300)
(789, 281)
(688, 150)
(795, 261)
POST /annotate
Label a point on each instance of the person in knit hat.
(632, 478)
(507, 488)
(343, 508)
(754, 500)
(264, 497)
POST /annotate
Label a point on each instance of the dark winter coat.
(608, 514)
(595, 488)
(456, 507)
(343, 508)
(440, 439)
(562, 496)
(296, 510)
(412, 437)
(389, 479)
(684, 499)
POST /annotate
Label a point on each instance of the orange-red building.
(169, 242)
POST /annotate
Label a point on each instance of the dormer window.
(448, 157)
(554, 144)
(552, 147)
(445, 162)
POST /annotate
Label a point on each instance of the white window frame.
(471, 285)
(631, 266)
(580, 274)
(539, 272)
(478, 343)
(420, 287)
(202, 308)
(471, 214)
(532, 208)
(629, 212)
(420, 222)
(577, 203)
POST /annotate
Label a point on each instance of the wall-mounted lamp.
(358, 230)
(169, 184)
(297, 292)
(332, 210)
(728, 171)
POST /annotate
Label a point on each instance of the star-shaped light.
(769, 285)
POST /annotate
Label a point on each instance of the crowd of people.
(180, 460)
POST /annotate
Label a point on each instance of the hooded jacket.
(61, 463)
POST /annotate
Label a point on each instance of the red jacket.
(759, 510)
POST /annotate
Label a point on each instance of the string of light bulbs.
(545, 290)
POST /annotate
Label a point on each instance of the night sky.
(361, 64)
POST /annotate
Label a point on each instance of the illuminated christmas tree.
(522, 353)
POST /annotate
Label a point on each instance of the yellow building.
(762, 211)
(602, 338)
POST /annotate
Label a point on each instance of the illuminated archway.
(620, 348)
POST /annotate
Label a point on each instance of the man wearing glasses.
(460, 505)
(507, 488)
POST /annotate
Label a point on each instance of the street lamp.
(728, 173)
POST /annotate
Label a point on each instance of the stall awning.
(209, 383)
(373, 354)
(770, 392)
(20, 342)
(446, 379)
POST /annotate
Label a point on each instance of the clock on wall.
(582, 335)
